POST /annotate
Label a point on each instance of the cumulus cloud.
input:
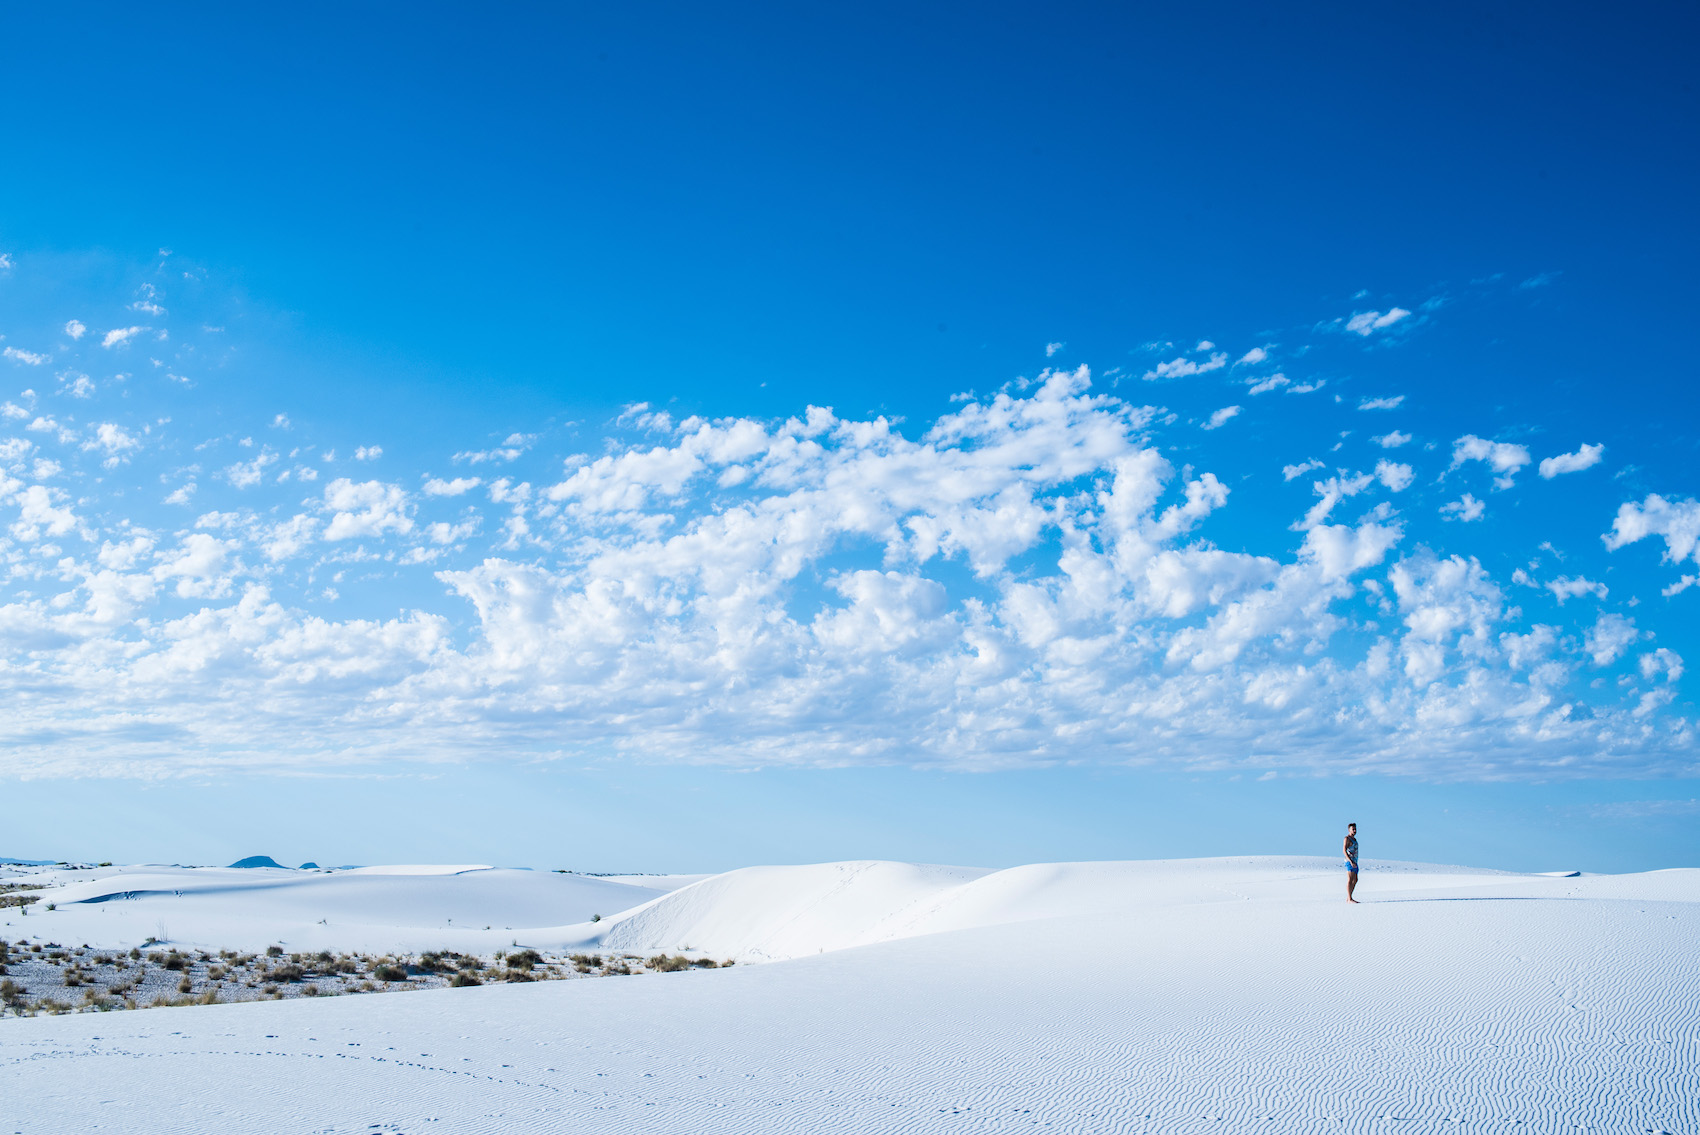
(368, 453)
(1221, 417)
(1609, 637)
(365, 509)
(75, 329)
(1564, 587)
(1396, 477)
(1252, 357)
(1504, 458)
(1392, 440)
(1052, 348)
(1288, 472)
(509, 450)
(247, 474)
(1183, 367)
(1024, 580)
(1465, 508)
(1661, 661)
(1387, 403)
(437, 487)
(1585, 458)
(27, 358)
(119, 336)
(1265, 385)
(1677, 521)
(1367, 323)
(114, 441)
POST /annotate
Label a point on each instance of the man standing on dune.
(1350, 847)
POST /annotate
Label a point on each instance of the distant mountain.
(257, 861)
(28, 862)
(308, 866)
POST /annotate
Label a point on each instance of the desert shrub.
(135, 954)
(286, 972)
(388, 972)
(309, 991)
(274, 951)
(176, 961)
(462, 980)
(524, 959)
(185, 986)
(10, 992)
(661, 963)
(324, 957)
(620, 968)
(518, 975)
(705, 963)
(52, 906)
(215, 973)
(269, 990)
(73, 978)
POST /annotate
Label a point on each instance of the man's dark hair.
(1351, 823)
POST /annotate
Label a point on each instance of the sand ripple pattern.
(1485, 1011)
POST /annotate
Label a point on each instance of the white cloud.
(510, 449)
(1680, 586)
(1265, 385)
(247, 474)
(1678, 521)
(1369, 322)
(1609, 637)
(280, 422)
(114, 441)
(1504, 458)
(1052, 348)
(1395, 477)
(75, 329)
(1585, 458)
(365, 509)
(368, 453)
(1392, 440)
(1252, 357)
(1661, 661)
(1182, 367)
(40, 515)
(118, 336)
(1465, 508)
(1392, 403)
(437, 487)
(1564, 587)
(1025, 580)
(27, 358)
(181, 494)
(1288, 472)
(81, 385)
(1221, 417)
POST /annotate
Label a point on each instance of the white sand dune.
(1200, 996)
(467, 908)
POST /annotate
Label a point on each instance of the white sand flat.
(1195, 996)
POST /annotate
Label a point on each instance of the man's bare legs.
(1351, 885)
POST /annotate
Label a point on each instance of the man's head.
(1352, 828)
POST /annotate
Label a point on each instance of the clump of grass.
(462, 980)
(661, 963)
(274, 951)
(185, 986)
(389, 972)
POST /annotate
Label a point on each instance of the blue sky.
(1222, 422)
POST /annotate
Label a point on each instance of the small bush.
(135, 954)
(176, 961)
(705, 963)
(274, 951)
(661, 963)
(518, 975)
(309, 991)
(185, 986)
(462, 980)
(388, 972)
(525, 959)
